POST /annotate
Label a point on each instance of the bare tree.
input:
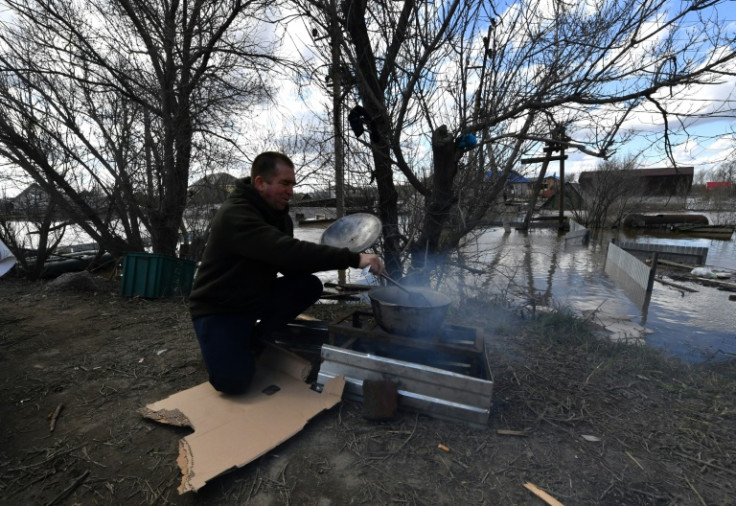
(609, 193)
(428, 74)
(720, 197)
(35, 236)
(130, 97)
(725, 172)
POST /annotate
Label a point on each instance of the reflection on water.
(694, 326)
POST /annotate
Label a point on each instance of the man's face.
(277, 190)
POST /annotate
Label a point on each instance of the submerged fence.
(685, 254)
(630, 273)
(625, 263)
(578, 234)
(623, 266)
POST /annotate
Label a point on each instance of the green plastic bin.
(153, 275)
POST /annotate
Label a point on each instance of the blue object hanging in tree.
(466, 141)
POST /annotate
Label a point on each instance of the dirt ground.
(596, 423)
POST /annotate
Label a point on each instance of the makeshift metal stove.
(445, 375)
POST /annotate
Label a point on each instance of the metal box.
(448, 378)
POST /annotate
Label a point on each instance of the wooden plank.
(724, 285)
(339, 296)
(541, 159)
(348, 286)
(670, 263)
(542, 494)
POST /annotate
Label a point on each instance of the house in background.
(550, 186)
(659, 182)
(718, 185)
(518, 187)
(211, 190)
(572, 198)
(32, 201)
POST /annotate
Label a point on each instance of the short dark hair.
(264, 165)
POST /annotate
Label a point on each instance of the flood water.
(693, 326)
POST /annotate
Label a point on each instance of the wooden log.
(675, 285)
(722, 285)
(348, 286)
(339, 296)
(670, 263)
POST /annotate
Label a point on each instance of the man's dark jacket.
(249, 243)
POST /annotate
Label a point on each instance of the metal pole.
(337, 122)
(652, 271)
(562, 189)
(337, 116)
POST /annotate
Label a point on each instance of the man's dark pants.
(227, 340)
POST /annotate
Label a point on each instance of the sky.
(701, 143)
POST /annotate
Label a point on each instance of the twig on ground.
(634, 459)
(696, 492)
(593, 372)
(509, 432)
(46, 460)
(54, 417)
(705, 463)
(542, 494)
(68, 490)
(401, 446)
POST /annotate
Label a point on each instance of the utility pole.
(561, 137)
(337, 112)
(337, 121)
(562, 189)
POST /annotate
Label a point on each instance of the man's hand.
(374, 261)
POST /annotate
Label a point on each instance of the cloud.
(701, 122)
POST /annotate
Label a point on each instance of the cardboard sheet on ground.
(231, 431)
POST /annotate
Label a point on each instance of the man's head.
(272, 174)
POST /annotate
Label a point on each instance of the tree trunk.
(428, 248)
(388, 199)
(372, 92)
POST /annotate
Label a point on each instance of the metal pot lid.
(357, 232)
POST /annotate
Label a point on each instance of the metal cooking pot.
(402, 313)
